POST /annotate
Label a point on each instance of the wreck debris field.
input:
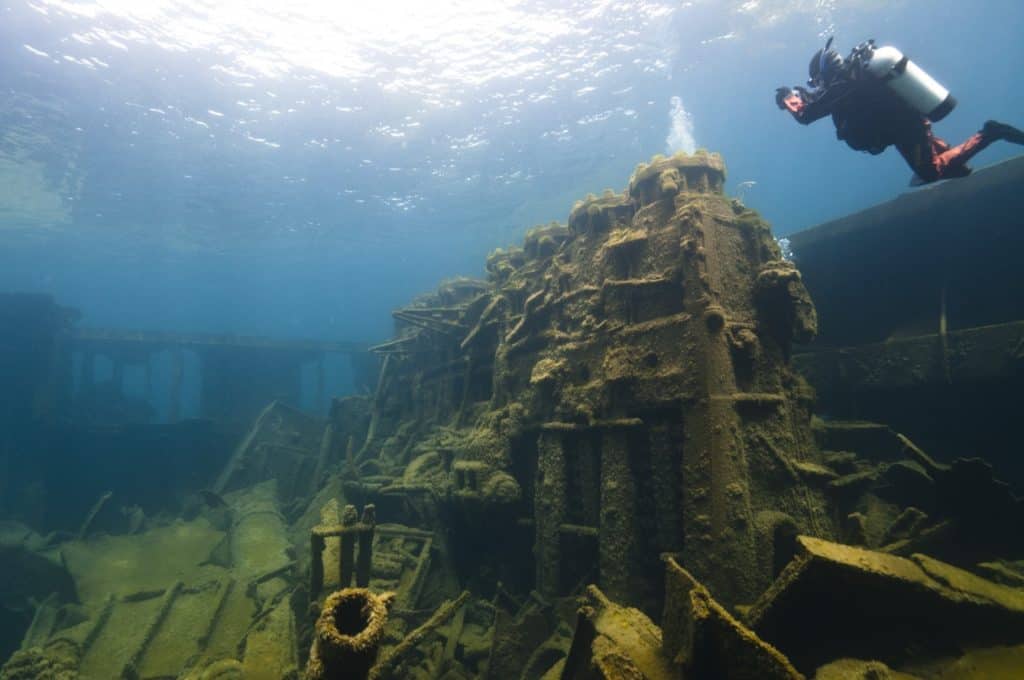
(599, 461)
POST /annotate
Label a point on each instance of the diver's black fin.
(996, 130)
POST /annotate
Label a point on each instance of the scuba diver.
(877, 98)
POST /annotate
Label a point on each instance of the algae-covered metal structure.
(604, 460)
(921, 314)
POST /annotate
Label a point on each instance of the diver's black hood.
(825, 64)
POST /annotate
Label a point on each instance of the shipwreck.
(600, 461)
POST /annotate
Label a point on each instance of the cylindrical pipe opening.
(351, 616)
(348, 633)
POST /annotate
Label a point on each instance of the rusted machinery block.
(835, 601)
(705, 641)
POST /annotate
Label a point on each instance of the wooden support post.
(316, 564)
(365, 559)
(348, 547)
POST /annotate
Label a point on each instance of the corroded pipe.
(348, 634)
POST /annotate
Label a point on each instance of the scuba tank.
(906, 80)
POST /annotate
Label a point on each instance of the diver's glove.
(781, 93)
(792, 99)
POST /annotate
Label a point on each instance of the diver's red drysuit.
(932, 158)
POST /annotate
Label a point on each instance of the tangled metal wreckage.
(598, 463)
